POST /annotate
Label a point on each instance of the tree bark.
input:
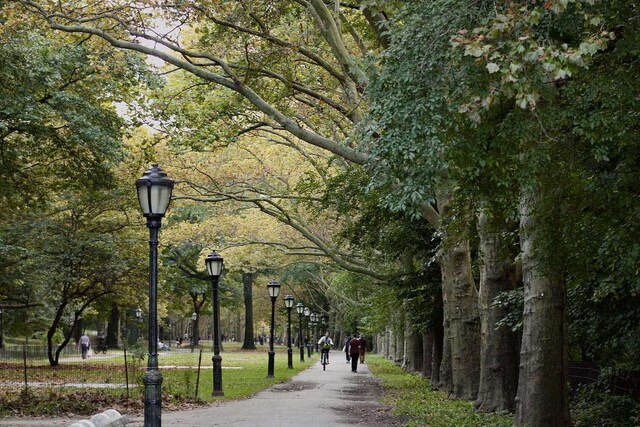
(445, 373)
(113, 327)
(438, 341)
(499, 346)
(247, 286)
(460, 367)
(398, 356)
(542, 398)
(427, 354)
(464, 323)
(416, 356)
(407, 345)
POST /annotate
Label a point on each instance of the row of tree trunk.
(469, 357)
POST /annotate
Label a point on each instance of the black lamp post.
(139, 333)
(314, 325)
(288, 302)
(274, 289)
(194, 318)
(300, 311)
(154, 194)
(214, 266)
(307, 313)
(1, 329)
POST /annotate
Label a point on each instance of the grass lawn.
(244, 373)
(412, 395)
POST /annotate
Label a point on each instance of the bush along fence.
(28, 365)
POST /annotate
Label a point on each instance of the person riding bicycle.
(325, 343)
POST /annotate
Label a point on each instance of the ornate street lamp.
(314, 324)
(194, 319)
(288, 302)
(154, 194)
(300, 311)
(214, 266)
(307, 313)
(274, 289)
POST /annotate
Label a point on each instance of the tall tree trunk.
(427, 354)
(499, 346)
(464, 322)
(407, 344)
(542, 398)
(384, 343)
(247, 285)
(398, 357)
(438, 343)
(416, 355)
(461, 318)
(392, 344)
(445, 373)
(113, 327)
(438, 340)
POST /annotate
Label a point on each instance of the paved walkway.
(335, 397)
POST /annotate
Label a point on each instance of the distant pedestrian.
(363, 345)
(347, 339)
(85, 345)
(354, 352)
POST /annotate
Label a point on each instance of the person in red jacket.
(354, 350)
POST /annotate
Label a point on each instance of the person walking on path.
(347, 339)
(354, 350)
(363, 345)
(85, 345)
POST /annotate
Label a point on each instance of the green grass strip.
(412, 396)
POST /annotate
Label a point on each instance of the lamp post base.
(152, 380)
(271, 363)
(217, 376)
(289, 358)
(301, 353)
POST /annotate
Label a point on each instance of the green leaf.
(492, 67)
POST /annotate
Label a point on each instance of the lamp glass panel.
(154, 199)
(288, 301)
(274, 289)
(160, 197)
(143, 198)
(214, 266)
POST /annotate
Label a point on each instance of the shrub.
(594, 406)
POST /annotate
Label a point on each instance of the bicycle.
(324, 358)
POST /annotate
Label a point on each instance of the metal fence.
(624, 383)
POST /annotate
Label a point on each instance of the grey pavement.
(335, 397)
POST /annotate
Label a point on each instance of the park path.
(335, 397)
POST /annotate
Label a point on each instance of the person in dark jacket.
(354, 352)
